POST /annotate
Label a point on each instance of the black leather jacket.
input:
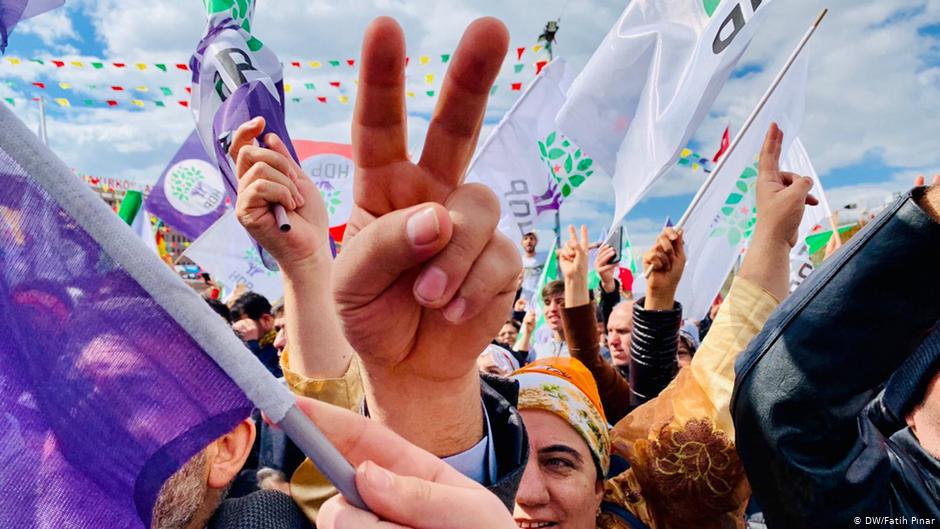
(500, 397)
(805, 405)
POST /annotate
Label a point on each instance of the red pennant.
(407, 60)
(334, 84)
(337, 233)
(184, 103)
(519, 52)
(40, 85)
(351, 62)
(539, 65)
(321, 99)
(119, 64)
(35, 99)
(516, 87)
(725, 143)
(182, 67)
(58, 64)
(112, 103)
(295, 64)
(189, 90)
(117, 88)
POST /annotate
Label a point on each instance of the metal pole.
(42, 121)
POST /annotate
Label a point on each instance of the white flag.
(526, 161)
(815, 217)
(144, 230)
(226, 251)
(718, 230)
(650, 84)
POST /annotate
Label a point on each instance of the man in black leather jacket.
(821, 443)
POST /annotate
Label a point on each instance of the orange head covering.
(566, 388)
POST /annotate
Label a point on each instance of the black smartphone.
(615, 241)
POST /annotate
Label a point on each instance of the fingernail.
(423, 227)
(254, 121)
(455, 309)
(377, 477)
(300, 200)
(431, 284)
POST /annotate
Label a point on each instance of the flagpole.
(747, 124)
(42, 121)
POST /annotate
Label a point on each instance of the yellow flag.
(411, 94)
(694, 167)
(77, 64)
(137, 102)
(13, 60)
(343, 99)
(141, 66)
(537, 48)
(63, 102)
(287, 88)
(142, 89)
(429, 78)
(65, 86)
(315, 64)
(424, 60)
(685, 153)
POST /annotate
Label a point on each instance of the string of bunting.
(167, 67)
(184, 103)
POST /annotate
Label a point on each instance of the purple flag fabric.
(13, 11)
(190, 195)
(113, 372)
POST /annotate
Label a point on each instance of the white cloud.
(51, 27)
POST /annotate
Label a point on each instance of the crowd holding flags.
(561, 131)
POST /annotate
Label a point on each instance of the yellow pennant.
(424, 60)
(63, 102)
(343, 99)
(142, 89)
(137, 102)
(685, 153)
(411, 94)
(13, 60)
(429, 78)
(537, 48)
(141, 66)
(77, 64)
(315, 64)
(287, 88)
(65, 86)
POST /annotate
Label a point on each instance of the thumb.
(418, 503)
(799, 189)
(920, 181)
(388, 246)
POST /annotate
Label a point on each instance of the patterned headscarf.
(566, 388)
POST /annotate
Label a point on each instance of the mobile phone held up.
(615, 241)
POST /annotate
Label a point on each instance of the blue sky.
(874, 84)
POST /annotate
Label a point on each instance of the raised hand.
(606, 269)
(270, 176)
(666, 259)
(424, 280)
(573, 256)
(781, 199)
(781, 196)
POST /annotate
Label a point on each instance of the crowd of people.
(415, 350)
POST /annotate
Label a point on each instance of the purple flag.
(190, 195)
(13, 11)
(113, 372)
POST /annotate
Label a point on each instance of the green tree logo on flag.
(569, 167)
(332, 198)
(739, 213)
(194, 187)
